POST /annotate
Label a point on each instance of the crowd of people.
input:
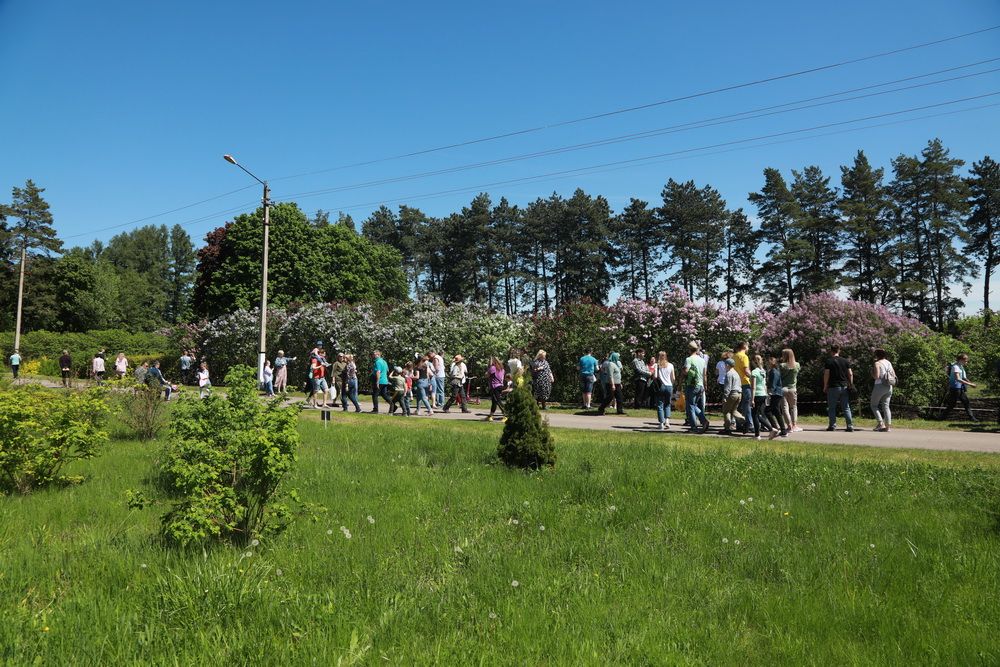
(760, 392)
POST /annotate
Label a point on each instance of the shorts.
(586, 384)
(320, 384)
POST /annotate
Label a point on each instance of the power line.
(645, 134)
(648, 105)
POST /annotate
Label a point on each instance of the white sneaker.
(662, 427)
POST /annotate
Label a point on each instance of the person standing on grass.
(351, 373)
(204, 381)
(838, 379)
(733, 397)
(663, 384)
(121, 365)
(742, 364)
(458, 372)
(281, 371)
(542, 379)
(425, 381)
(380, 380)
(614, 375)
(789, 388)
(640, 381)
(97, 368)
(958, 384)
(758, 383)
(776, 397)
(694, 389)
(885, 379)
(267, 375)
(588, 376)
(66, 369)
(495, 377)
(186, 363)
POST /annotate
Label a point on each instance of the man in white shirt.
(439, 375)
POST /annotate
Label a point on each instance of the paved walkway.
(962, 441)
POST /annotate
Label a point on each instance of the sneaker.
(662, 427)
(503, 421)
(772, 435)
(757, 437)
(831, 428)
(850, 429)
(796, 429)
(667, 425)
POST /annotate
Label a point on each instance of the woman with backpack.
(885, 379)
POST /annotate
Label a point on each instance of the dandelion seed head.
(750, 499)
(144, 566)
(613, 508)
(330, 532)
(248, 554)
(541, 528)
(493, 614)
(871, 546)
(515, 583)
(771, 506)
(255, 543)
(515, 522)
(371, 519)
(743, 502)
(736, 542)
(725, 540)
(278, 572)
(458, 549)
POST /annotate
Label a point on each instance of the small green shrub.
(225, 461)
(141, 408)
(526, 441)
(41, 432)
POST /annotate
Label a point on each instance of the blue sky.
(122, 110)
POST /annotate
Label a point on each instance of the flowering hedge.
(401, 329)
(819, 321)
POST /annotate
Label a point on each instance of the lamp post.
(262, 350)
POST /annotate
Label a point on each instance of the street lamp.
(263, 272)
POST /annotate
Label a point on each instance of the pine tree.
(740, 244)
(526, 441)
(182, 263)
(866, 209)
(640, 245)
(983, 225)
(817, 223)
(789, 254)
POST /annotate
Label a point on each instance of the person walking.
(614, 374)
(838, 379)
(267, 375)
(588, 376)
(15, 364)
(663, 388)
(958, 384)
(121, 365)
(742, 364)
(495, 377)
(66, 369)
(281, 371)
(351, 372)
(458, 372)
(758, 383)
(789, 388)
(721, 368)
(694, 389)
(640, 381)
(318, 371)
(776, 397)
(884, 376)
(338, 376)
(380, 380)
(398, 397)
(425, 381)
(97, 368)
(733, 397)
(204, 381)
(440, 373)
(542, 379)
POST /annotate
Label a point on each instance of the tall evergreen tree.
(983, 225)
(817, 223)
(740, 244)
(182, 263)
(789, 254)
(640, 245)
(582, 249)
(866, 209)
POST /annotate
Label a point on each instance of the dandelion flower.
(371, 519)
(515, 583)
(786, 513)
(45, 629)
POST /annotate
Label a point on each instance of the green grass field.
(632, 550)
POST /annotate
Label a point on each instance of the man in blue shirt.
(958, 383)
(154, 378)
(15, 363)
(380, 380)
(588, 375)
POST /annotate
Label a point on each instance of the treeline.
(911, 240)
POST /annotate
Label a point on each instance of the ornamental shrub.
(40, 433)
(226, 461)
(526, 441)
(141, 407)
(47, 347)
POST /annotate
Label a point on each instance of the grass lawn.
(632, 550)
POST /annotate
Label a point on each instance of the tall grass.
(633, 549)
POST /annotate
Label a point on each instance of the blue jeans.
(838, 396)
(663, 397)
(269, 387)
(422, 388)
(352, 394)
(746, 407)
(438, 391)
(692, 399)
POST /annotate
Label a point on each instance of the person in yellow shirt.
(742, 367)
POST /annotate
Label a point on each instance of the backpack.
(691, 379)
(890, 376)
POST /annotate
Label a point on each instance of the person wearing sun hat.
(458, 373)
